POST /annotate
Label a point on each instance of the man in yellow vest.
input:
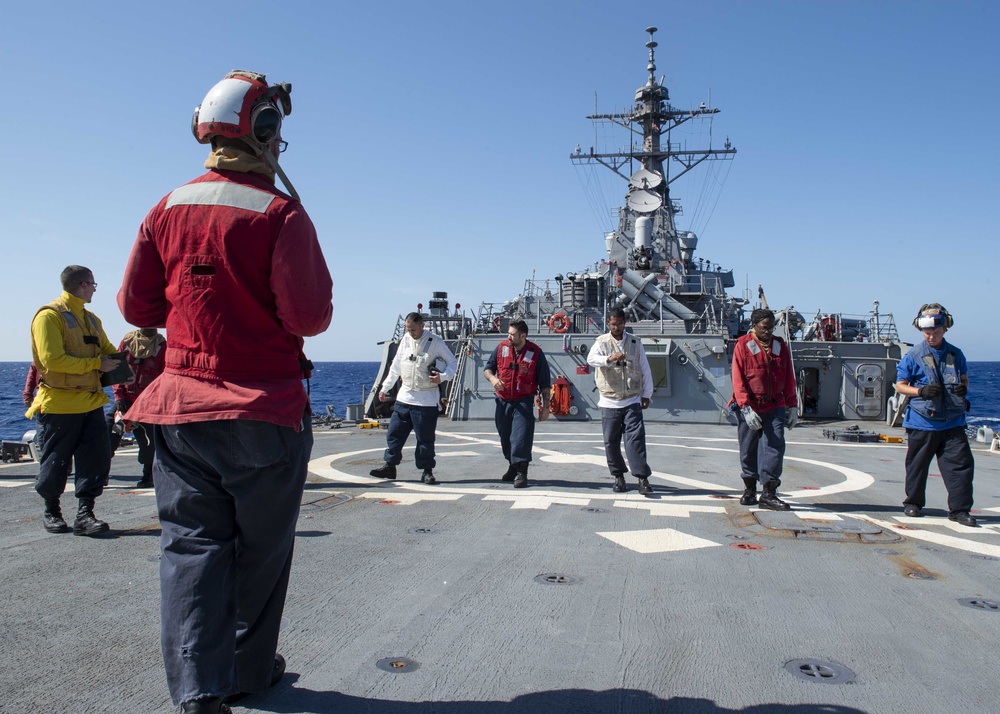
(69, 350)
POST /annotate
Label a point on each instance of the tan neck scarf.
(229, 159)
(142, 347)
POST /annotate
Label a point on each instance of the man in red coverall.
(232, 267)
(764, 392)
(30, 385)
(144, 350)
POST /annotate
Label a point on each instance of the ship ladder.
(781, 330)
(456, 382)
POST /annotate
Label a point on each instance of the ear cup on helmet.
(194, 126)
(265, 123)
(920, 312)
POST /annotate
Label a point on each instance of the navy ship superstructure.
(676, 302)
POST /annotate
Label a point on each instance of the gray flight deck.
(472, 597)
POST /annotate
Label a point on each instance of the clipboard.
(121, 373)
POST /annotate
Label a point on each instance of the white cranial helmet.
(243, 106)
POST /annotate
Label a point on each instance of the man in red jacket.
(30, 385)
(232, 267)
(145, 351)
(764, 391)
(518, 371)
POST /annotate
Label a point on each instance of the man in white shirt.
(621, 371)
(422, 362)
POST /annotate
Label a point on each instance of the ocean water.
(338, 384)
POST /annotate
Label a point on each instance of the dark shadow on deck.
(561, 701)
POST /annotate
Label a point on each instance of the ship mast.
(650, 265)
(651, 117)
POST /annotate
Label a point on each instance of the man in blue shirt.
(933, 374)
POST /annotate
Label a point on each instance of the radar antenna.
(652, 60)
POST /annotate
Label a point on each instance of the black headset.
(265, 118)
(265, 123)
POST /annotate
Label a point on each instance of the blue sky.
(430, 142)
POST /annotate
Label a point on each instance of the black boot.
(521, 478)
(52, 519)
(749, 496)
(619, 486)
(205, 705)
(385, 471)
(644, 488)
(86, 523)
(510, 474)
(428, 477)
(769, 497)
(147, 477)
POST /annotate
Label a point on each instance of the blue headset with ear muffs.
(932, 315)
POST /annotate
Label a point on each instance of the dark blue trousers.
(626, 422)
(762, 452)
(228, 495)
(143, 435)
(66, 437)
(515, 422)
(954, 458)
(422, 421)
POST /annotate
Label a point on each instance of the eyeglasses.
(282, 145)
(86, 283)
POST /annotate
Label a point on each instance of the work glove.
(961, 390)
(791, 417)
(930, 390)
(752, 418)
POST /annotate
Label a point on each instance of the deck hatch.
(980, 604)
(746, 546)
(820, 672)
(555, 579)
(800, 524)
(397, 665)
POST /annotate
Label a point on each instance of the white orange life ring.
(559, 323)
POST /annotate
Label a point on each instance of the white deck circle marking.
(661, 540)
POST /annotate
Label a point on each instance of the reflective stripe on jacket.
(215, 236)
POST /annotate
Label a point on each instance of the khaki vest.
(73, 334)
(617, 382)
